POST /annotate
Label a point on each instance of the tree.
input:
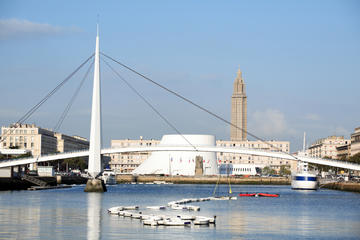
(355, 158)
(268, 171)
(284, 170)
(75, 163)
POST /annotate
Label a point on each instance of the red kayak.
(268, 195)
(258, 195)
(247, 194)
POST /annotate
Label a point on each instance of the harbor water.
(73, 214)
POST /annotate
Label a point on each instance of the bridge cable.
(196, 105)
(149, 104)
(37, 106)
(67, 108)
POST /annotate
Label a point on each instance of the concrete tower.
(238, 109)
(95, 129)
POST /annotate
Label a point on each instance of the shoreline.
(343, 186)
(7, 184)
(204, 180)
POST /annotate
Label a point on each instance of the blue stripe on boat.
(304, 178)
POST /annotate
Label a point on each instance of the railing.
(34, 180)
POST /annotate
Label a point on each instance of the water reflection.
(73, 214)
(94, 202)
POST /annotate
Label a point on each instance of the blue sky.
(300, 61)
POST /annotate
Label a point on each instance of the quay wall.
(343, 186)
(204, 180)
(16, 183)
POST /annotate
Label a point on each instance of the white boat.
(127, 214)
(212, 220)
(150, 222)
(176, 222)
(303, 179)
(137, 215)
(115, 210)
(109, 177)
(186, 217)
(177, 207)
(193, 208)
(131, 207)
(202, 221)
(156, 207)
(152, 217)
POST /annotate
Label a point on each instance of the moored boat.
(176, 222)
(109, 177)
(156, 207)
(303, 179)
(115, 210)
(202, 221)
(259, 195)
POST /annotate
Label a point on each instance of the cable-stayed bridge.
(95, 150)
(60, 156)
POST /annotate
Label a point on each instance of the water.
(73, 214)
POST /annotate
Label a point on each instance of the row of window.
(252, 145)
(17, 138)
(18, 144)
(18, 131)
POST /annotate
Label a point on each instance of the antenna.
(304, 141)
(97, 25)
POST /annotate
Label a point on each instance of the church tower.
(238, 110)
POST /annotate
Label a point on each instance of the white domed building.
(180, 162)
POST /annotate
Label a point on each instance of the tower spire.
(239, 75)
(238, 109)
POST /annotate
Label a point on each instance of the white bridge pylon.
(60, 156)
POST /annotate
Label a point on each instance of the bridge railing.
(43, 156)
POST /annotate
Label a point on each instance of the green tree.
(75, 163)
(284, 170)
(268, 171)
(355, 158)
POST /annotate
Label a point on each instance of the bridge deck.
(282, 155)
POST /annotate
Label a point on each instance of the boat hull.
(304, 182)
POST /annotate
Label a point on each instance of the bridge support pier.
(95, 185)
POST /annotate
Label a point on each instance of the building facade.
(326, 147)
(39, 141)
(127, 162)
(238, 110)
(183, 163)
(344, 151)
(258, 161)
(355, 141)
